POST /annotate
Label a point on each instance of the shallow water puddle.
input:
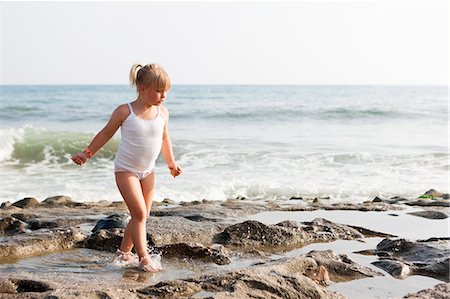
(404, 226)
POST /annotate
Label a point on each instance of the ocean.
(348, 143)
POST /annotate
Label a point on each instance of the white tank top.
(140, 143)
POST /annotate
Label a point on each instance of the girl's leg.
(148, 190)
(131, 191)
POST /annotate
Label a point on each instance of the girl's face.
(152, 96)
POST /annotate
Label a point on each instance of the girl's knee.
(140, 216)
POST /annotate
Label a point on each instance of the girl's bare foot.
(124, 256)
(148, 264)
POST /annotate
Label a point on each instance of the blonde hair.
(149, 75)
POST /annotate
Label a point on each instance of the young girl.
(144, 130)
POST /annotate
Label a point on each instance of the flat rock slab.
(39, 242)
(279, 279)
(175, 229)
(430, 214)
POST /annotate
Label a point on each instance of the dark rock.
(112, 221)
(11, 226)
(429, 203)
(395, 268)
(60, 200)
(26, 285)
(105, 239)
(36, 224)
(394, 215)
(215, 254)
(441, 291)
(430, 214)
(434, 194)
(28, 202)
(429, 259)
(377, 199)
(254, 233)
(296, 198)
(239, 197)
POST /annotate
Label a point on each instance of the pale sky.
(226, 42)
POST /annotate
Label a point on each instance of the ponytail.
(149, 74)
(133, 73)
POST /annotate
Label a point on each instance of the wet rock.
(438, 291)
(215, 254)
(26, 285)
(279, 279)
(254, 233)
(341, 268)
(424, 258)
(174, 229)
(26, 203)
(434, 194)
(395, 268)
(105, 239)
(171, 289)
(60, 200)
(11, 226)
(112, 221)
(39, 242)
(430, 214)
(429, 203)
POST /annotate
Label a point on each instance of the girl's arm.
(166, 149)
(102, 137)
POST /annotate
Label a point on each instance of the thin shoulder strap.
(131, 109)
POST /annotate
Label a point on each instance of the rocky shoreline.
(230, 255)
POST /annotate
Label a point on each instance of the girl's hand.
(80, 158)
(175, 170)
